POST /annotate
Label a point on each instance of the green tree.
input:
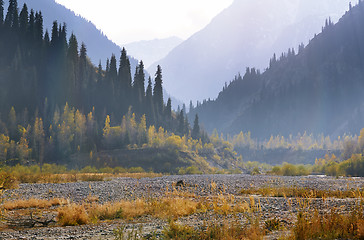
(149, 103)
(196, 129)
(181, 129)
(30, 27)
(168, 115)
(11, 19)
(73, 89)
(125, 73)
(38, 27)
(158, 93)
(138, 88)
(113, 73)
(23, 19)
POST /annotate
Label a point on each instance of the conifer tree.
(138, 88)
(149, 103)
(72, 67)
(181, 129)
(125, 78)
(168, 115)
(11, 19)
(47, 40)
(72, 53)
(30, 29)
(38, 26)
(113, 73)
(196, 129)
(55, 35)
(191, 107)
(99, 72)
(23, 20)
(82, 66)
(158, 92)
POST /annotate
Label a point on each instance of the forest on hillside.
(55, 103)
(308, 89)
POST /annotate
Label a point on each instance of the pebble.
(127, 188)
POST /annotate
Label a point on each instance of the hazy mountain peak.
(152, 50)
(246, 34)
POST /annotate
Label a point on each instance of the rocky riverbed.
(117, 189)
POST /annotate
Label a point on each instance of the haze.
(128, 21)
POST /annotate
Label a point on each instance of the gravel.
(128, 188)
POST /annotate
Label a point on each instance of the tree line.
(54, 102)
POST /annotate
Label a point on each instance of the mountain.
(153, 50)
(99, 47)
(246, 34)
(317, 90)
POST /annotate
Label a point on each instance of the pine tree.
(158, 93)
(11, 19)
(138, 88)
(181, 129)
(125, 79)
(72, 53)
(38, 27)
(191, 107)
(112, 76)
(99, 73)
(47, 40)
(30, 29)
(149, 103)
(168, 115)
(55, 35)
(196, 129)
(23, 19)
(72, 69)
(82, 67)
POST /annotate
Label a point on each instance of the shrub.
(289, 170)
(72, 215)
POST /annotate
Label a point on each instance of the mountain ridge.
(318, 90)
(214, 54)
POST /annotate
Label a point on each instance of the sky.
(125, 21)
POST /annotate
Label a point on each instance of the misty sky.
(127, 21)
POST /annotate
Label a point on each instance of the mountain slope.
(245, 34)
(318, 90)
(99, 47)
(153, 50)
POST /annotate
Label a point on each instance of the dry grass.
(33, 203)
(329, 226)
(220, 231)
(173, 207)
(122, 209)
(72, 215)
(302, 192)
(74, 177)
(163, 208)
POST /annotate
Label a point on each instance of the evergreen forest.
(316, 88)
(57, 107)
